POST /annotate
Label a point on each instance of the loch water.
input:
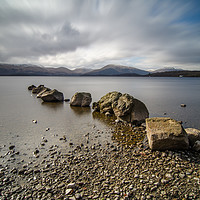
(18, 107)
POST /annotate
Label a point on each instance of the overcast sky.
(147, 34)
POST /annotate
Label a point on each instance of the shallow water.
(18, 107)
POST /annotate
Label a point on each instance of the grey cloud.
(150, 29)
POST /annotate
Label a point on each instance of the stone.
(11, 147)
(183, 105)
(67, 100)
(130, 109)
(196, 146)
(38, 89)
(31, 87)
(71, 185)
(193, 135)
(123, 106)
(81, 99)
(68, 191)
(43, 91)
(164, 133)
(52, 96)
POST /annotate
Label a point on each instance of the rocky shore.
(125, 169)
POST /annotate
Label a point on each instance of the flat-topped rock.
(52, 96)
(164, 133)
(82, 99)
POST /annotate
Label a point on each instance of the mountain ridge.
(108, 70)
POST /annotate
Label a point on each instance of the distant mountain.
(81, 70)
(167, 69)
(109, 70)
(116, 70)
(32, 70)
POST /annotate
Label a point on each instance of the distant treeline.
(176, 74)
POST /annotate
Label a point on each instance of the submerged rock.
(52, 96)
(123, 106)
(81, 99)
(164, 133)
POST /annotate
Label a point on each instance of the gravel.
(125, 169)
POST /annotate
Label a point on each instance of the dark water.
(18, 107)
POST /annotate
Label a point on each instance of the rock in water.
(31, 87)
(52, 96)
(130, 109)
(82, 99)
(164, 133)
(38, 89)
(123, 106)
(193, 135)
(43, 91)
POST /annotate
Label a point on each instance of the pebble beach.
(124, 169)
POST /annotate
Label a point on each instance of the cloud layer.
(92, 33)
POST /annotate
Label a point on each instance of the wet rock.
(11, 147)
(183, 105)
(81, 99)
(52, 96)
(193, 135)
(39, 95)
(196, 146)
(166, 134)
(31, 87)
(123, 106)
(38, 89)
(36, 151)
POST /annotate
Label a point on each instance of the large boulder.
(82, 99)
(193, 135)
(104, 105)
(123, 106)
(164, 133)
(52, 96)
(38, 89)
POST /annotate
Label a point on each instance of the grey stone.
(81, 99)
(166, 134)
(52, 96)
(193, 135)
(123, 106)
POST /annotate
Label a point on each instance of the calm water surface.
(18, 107)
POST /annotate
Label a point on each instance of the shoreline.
(113, 171)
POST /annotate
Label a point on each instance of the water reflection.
(53, 105)
(107, 120)
(81, 110)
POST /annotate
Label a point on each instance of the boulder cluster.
(163, 133)
(47, 94)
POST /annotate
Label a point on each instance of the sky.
(147, 34)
